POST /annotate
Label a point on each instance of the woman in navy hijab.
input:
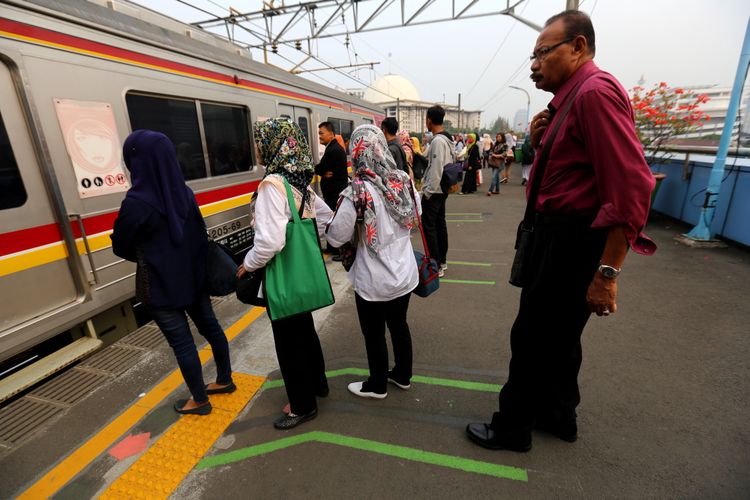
(160, 228)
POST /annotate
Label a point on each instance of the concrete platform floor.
(665, 382)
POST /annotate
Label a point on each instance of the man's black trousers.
(435, 229)
(546, 337)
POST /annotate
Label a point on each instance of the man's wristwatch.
(608, 272)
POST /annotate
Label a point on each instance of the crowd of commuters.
(588, 209)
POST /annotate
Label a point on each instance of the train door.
(301, 117)
(36, 273)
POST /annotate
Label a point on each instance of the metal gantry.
(278, 20)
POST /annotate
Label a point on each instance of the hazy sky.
(682, 42)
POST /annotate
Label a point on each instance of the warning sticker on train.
(93, 145)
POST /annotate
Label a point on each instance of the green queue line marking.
(465, 263)
(403, 452)
(467, 282)
(421, 379)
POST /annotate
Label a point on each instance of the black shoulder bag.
(525, 235)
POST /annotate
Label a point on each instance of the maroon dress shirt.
(596, 166)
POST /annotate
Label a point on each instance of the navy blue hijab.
(157, 179)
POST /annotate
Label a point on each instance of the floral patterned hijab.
(374, 164)
(405, 141)
(284, 151)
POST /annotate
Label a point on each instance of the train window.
(227, 138)
(178, 120)
(343, 127)
(12, 191)
(302, 122)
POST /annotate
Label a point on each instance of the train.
(77, 76)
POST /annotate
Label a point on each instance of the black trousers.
(301, 361)
(373, 318)
(435, 229)
(545, 339)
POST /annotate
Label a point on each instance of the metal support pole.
(702, 231)
(571, 5)
(398, 110)
(528, 105)
(459, 112)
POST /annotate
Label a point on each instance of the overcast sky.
(682, 42)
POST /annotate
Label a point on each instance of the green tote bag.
(296, 278)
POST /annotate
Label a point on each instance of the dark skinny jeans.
(373, 318)
(435, 228)
(174, 326)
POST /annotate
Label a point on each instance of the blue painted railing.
(682, 194)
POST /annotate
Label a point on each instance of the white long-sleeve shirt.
(272, 213)
(392, 272)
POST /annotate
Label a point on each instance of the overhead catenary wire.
(492, 59)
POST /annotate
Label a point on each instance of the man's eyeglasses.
(544, 51)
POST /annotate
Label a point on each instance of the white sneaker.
(441, 273)
(444, 267)
(400, 386)
(356, 389)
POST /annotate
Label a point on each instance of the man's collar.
(587, 69)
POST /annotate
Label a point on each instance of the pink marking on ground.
(131, 445)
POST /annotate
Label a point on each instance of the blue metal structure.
(703, 231)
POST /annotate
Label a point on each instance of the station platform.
(664, 386)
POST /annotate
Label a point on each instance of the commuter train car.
(77, 77)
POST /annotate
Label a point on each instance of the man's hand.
(602, 295)
(538, 126)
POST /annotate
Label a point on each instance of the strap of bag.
(297, 215)
(529, 214)
(419, 220)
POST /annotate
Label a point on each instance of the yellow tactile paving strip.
(158, 472)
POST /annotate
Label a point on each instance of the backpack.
(452, 175)
(527, 153)
(419, 165)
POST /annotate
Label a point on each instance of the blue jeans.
(495, 186)
(174, 326)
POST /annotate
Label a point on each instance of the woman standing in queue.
(473, 165)
(384, 272)
(284, 151)
(161, 229)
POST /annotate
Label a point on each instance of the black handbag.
(519, 270)
(249, 286)
(220, 270)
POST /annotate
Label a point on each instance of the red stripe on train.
(34, 32)
(24, 239)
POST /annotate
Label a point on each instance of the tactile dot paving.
(158, 472)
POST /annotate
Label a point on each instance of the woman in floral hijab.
(283, 149)
(378, 212)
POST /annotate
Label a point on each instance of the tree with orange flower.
(663, 113)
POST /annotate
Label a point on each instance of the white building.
(400, 99)
(716, 109)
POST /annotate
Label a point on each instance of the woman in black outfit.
(473, 165)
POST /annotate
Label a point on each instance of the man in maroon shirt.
(593, 202)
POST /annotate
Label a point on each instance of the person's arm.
(341, 229)
(624, 183)
(323, 212)
(129, 221)
(270, 227)
(325, 163)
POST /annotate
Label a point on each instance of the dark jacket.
(334, 160)
(169, 275)
(473, 161)
(398, 155)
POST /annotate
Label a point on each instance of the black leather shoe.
(486, 437)
(200, 410)
(567, 431)
(323, 393)
(290, 421)
(228, 389)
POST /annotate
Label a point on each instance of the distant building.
(716, 108)
(400, 99)
(519, 121)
